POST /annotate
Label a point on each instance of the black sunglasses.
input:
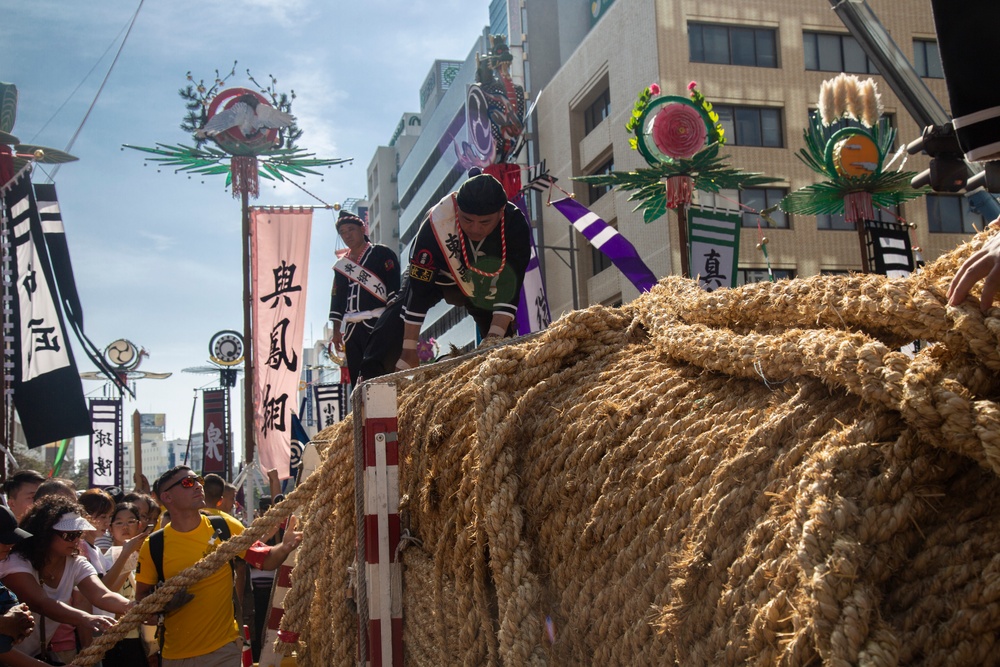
(69, 535)
(186, 482)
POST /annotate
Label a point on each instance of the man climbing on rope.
(365, 279)
(472, 250)
(202, 634)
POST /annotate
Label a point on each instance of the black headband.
(349, 219)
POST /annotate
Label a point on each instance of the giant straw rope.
(752, 476)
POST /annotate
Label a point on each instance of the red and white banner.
(216, 436)
(279, 255)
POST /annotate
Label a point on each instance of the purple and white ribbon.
(608, 240)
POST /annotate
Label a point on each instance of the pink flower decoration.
(654, 88)
(692, 85)
(426, 350)
(679, 130)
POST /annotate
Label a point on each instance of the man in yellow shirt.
(203, 632)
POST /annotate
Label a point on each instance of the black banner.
(216, 432)
(48, 392)
(65, 284)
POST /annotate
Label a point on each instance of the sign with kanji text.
(216, 433)
(715, 248)
(279, 249)
(106, 443)
(330, 404)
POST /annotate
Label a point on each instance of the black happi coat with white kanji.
(347, 296)
(430, 278)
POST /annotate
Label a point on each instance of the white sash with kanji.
(356, 273)
(445, 228)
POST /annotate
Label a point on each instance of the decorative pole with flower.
(848, 141)
(680, 139)
(255, 133)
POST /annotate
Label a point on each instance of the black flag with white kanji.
(65, 284)
(48, 392)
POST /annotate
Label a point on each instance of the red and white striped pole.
(383, 573)
(283, 582)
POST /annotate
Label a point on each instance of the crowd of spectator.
(72, 563)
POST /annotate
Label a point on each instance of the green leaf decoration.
(207, 160)
(51, 155)
(707, 168)
(827, 197)
(887, 190)
(8, 107)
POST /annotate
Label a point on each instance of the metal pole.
(572, 267)
(248, 424)
(187, 452)
(137, 443)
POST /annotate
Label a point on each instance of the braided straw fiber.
(752, 476)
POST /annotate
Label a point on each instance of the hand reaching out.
(982, 265)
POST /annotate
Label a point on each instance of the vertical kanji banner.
(216, 433)
(715, 248)
(330, 406)
(533, 307)
(106, 461)
(891, 249)
(279, 258)
(48, 392)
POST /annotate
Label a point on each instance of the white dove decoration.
(248, 114)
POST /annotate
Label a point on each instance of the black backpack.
(156, 543)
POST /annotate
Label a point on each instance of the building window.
(746, 276)
(732, 45)
(751, 126)
(950, 214)
(749, 203)
(836, 221)
(835, 53)
(926, 59)
(598, 110)
(595, 192)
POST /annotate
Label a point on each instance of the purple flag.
(606, 238)
(533, 307)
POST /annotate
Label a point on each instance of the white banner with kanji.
(279, 251)
(714, 240)
(105, 442)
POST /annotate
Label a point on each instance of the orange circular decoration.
(856, 155)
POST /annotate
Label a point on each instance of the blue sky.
(157, 255)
